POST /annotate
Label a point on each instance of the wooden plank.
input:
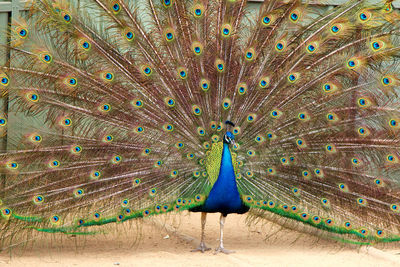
(9, 6)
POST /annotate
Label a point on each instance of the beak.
(233, 141)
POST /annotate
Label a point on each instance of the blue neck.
(224, 197)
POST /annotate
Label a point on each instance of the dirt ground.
(167, 241)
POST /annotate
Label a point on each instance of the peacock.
(118, 110)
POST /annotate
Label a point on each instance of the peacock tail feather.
(118, 111)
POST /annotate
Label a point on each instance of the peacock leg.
(202, 247)
(221, 239)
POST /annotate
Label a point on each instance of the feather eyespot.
(152, 192)
(136, 182)
(301, 143)
(22, 32)
(12, 165)
(336, 28)
(108, 138)
(330, 148)
(76, 150)
(251, 117)
(316, 219)
(356, 161)
(276, 113)
(129, 35)
(167, 3)
(393, 123)
(364, 16)
(329, 222)
(173, 174)
(332, 117)
(198, 11)
(201, 131)
(220, 66)
(197, 48)
(107, 76)
(127, 211)
(31, 96)
(4, 80)
(37, 200)
(361, 201)
(78, 193)
(168, 127)
(196, 110)
(158, 163)
(226, 30)
(66, 17)
(179, 145)
(116, 8)
(242, 88)
(347, 225)
(204, 85)
(35, 138)
(329, 87)
(55, 220)
(137, 103)
(377, 45)
(319, 173)
(343, 187)
(146, 151)
(182, 73)
(96, 216)
(280, 46)
(104, 108)
(259, 139)
(388, 8)
(138, 130)
(392, 159)
(170, 102)
(387, 81)
(378, 182)
(95, 175)
(306, 174)
(395, 208)
(3, 121)
(84, 44)
(169, 35)
(363, 232)
(267, 20)
(380, 233)
(264, 82)
(293, 77)
(146, 70)
(304, 216)
(312, 47)
(71, 82)
(250, 54)
(46, 58)
(271, 171)
(116, 159)
(295, 16)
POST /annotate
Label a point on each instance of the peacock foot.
(202, 247)
(223, 250)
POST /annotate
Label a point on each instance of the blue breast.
(224, 196)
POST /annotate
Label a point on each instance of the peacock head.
(229, 138)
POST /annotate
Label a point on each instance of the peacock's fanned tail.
(117, 111)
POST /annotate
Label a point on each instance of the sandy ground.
(168, 240)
